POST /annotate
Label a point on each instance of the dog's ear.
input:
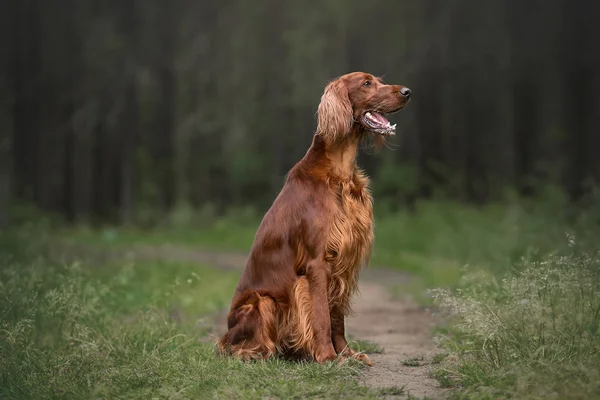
(335, 111)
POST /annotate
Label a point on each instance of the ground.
(399, 327)
(121, 313)
(403, 329)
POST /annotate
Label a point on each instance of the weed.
(535, 333)
(413, 361)
(95, 330)
(523, 322)
(438, 358)
(364, 346)
(392, 391)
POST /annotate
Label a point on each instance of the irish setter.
(303, 268)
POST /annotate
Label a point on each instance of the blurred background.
(142, 141)
(126, 111)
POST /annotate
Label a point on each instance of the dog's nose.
(405, 92)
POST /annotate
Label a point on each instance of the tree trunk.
(525, 125)
(579, 94)
(7, 41)
(5, 167)
(130, 116)
(165, 108)
(72, 69)
(26, 106)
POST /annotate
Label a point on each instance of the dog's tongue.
(380, 118)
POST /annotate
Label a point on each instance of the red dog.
(303, 268)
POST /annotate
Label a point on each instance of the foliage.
(534, 334)
(92, 329)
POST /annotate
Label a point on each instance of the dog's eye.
(367, 83)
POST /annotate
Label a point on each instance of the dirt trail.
(401, 327)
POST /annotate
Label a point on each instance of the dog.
(303, 268)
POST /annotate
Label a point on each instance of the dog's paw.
(362, 357)
(325, 356)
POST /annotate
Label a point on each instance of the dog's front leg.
(338, 337)
(322, 348)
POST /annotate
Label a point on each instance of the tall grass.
(524, 303)
(534, 334)
(132, 330)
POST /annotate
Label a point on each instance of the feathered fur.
(303, 268)
(334, 116)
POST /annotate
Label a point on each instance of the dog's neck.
(337, 160)
(343, 159)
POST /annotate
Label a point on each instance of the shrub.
(534, 334)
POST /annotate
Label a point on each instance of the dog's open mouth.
(378, 123)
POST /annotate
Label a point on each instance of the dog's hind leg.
(252, 330)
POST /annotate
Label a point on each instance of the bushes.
(533, 334)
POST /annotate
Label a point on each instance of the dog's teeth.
(394, 127)
(372, 118)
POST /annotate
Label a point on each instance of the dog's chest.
(350, 238)
(351, 234)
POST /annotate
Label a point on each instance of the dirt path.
(401, 327)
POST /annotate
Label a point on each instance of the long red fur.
(296, 289)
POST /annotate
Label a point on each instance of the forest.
(142, 141)
(121, 111)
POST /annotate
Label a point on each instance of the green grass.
(132, 329)
(413, 361)
(434, 243)
(533, 335)
(438, 358)
(364, 346)
(523, 301)
(392, 391)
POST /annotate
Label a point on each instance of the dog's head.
(356, 103)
